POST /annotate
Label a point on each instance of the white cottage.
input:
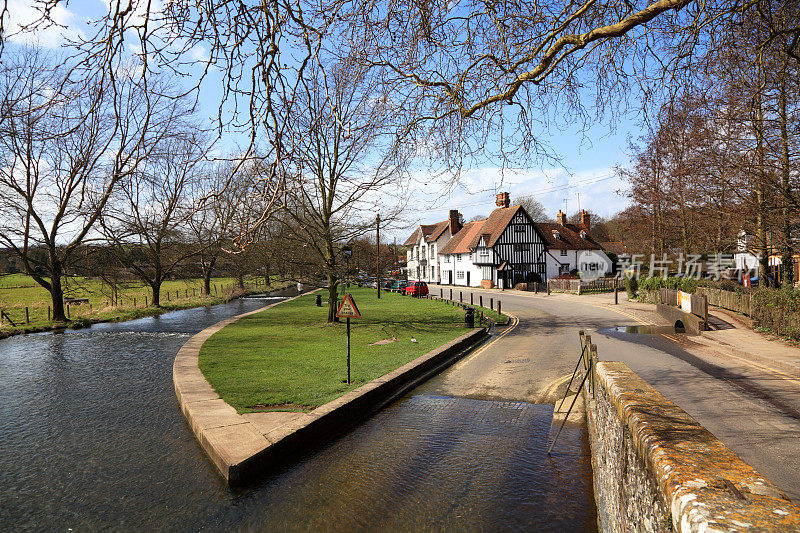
(424, 245)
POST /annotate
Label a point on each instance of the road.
(751, 407)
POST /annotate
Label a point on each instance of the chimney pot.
(503, 200)
(561, 218)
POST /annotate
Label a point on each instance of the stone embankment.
(244, 447)
(657, 469)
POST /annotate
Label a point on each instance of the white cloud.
(22, 15)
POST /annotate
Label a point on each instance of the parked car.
(399, 285)
(417, 288)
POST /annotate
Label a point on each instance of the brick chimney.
(503, 200)
(561, 218)
(455, 222)
(585, 219)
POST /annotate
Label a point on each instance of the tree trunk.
(761, 228)
(240, 280)
(786, 259)
(57, 295)
(207, 269)
(333, 286)
(155, 285)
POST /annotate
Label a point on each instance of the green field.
(18, 292)
(289, 358)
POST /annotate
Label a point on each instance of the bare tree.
(533, 207)
(146, 225)
(344, 171)
(65, 147)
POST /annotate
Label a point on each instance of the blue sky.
(585, 178)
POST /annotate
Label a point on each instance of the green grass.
(289, 358)
(18, 291)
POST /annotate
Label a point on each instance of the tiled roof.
(489, 228)
(431, 232)
(569, 237)
(497, 223)
(615, 247)
(460, 243)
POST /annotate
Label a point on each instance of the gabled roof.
(497, 223)
(569, 237)
(461, 242)
(431, 232)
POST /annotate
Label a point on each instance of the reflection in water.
(91, 437)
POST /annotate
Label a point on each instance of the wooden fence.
(578, 286)
(733, 301)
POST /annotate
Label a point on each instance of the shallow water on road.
(91, 437)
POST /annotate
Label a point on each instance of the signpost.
(347, 309)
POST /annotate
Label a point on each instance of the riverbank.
(288, 358)
(28, 306)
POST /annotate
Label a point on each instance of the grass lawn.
(288, 358)
(18, 291)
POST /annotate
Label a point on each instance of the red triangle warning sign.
(348, 309)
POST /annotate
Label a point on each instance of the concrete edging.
(242, 449)
(689, 479)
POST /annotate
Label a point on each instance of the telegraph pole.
(378, 253)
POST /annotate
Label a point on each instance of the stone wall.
(657, 469)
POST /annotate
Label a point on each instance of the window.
(423, 252)
(459, 257)
(487, 272)
(564, 253)
(522, 247)
(446, 258)
(433, 250)
(433, 273)
(563, 268)
(460, 275)
(483, 254)
(519, 229)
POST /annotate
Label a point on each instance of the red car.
(417, 288)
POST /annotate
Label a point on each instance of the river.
(91, 437)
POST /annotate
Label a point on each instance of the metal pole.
(348, 350)
(616, 293)
(377, 257)
(585, 375)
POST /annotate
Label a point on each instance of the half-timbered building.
(501, 250)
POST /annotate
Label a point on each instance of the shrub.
(777, 311)
(632, 286)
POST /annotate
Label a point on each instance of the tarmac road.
(751, 407)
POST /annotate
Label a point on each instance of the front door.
(449, 277)
(468, 285)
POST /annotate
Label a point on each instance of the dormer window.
(583, 234)
(556, 234)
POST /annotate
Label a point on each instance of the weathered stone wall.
(657, 469)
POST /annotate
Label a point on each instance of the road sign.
(348, 309)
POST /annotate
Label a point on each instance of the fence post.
(470, 299)
(491, 304)
(48, 313)
(67, 310)
(134, 301)
(460, 296)
(548, 287)
(499, 311)
(480, 300)
(451, 294)
(27, 316)
(616, 292)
